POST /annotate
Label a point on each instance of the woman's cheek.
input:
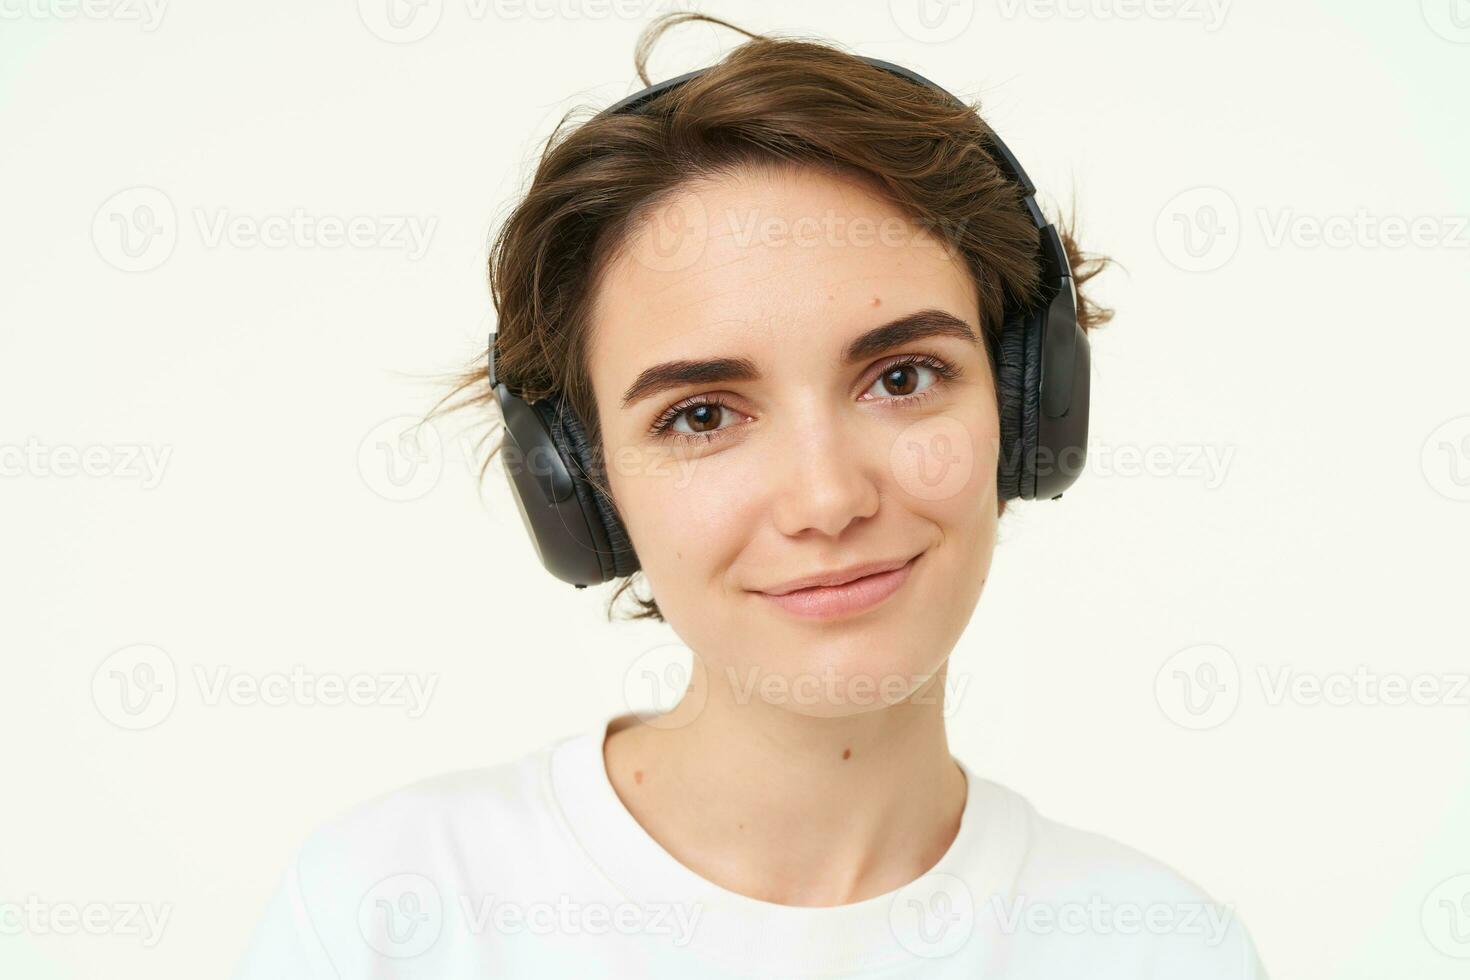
(684, 512)
(944, 465)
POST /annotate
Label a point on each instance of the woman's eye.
(709, 418)
(907, 378)
(700, 419)
(697, 421)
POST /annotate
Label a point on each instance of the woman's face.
(786, 303)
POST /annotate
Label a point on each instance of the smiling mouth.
(846, 599)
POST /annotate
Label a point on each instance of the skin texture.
(807, 764)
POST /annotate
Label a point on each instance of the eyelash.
(662, 426)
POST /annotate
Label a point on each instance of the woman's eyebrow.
(895, 333)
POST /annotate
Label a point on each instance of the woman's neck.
(789, 808)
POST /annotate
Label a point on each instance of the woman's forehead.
(791, 257)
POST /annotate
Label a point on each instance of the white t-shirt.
(535, 868)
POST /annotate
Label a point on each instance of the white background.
(1329, 378)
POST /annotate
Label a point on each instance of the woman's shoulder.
(486, 817)
(1068, 856)
(383, 877)
(508, 786)
(1078, 892)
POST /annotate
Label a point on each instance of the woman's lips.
(832, 601)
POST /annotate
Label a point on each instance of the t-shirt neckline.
(981, 862)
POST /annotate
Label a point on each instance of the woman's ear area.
(596, 399)
(601, 385)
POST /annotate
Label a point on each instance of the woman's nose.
(828, 476)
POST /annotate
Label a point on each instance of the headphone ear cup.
(566, 428)
(1018, 384)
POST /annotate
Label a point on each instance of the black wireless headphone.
(1042, 383)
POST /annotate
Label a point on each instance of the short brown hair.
(769, 101)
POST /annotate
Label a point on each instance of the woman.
(762, 338)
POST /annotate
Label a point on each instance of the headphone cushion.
(576, 448)
(1018, 384)
(1031, 403)
(1008, 375)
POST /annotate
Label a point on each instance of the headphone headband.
(1056, 270)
